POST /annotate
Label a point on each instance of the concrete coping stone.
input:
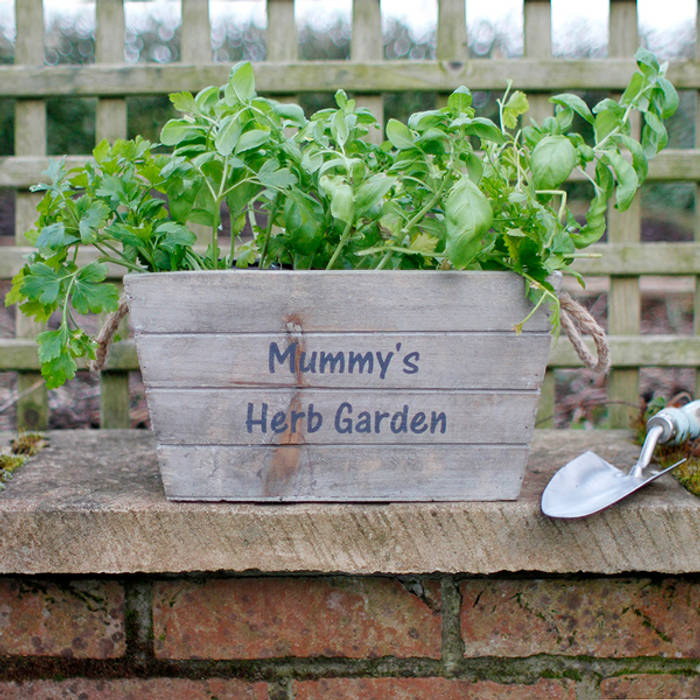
(92, 502)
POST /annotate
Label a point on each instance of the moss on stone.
(688, 473)
(28, 444)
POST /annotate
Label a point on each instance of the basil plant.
(448, 189)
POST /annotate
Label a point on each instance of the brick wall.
(328, 637)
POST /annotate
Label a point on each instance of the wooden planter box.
(339, 386)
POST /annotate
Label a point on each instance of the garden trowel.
(589, 483)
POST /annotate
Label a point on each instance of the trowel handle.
(678, 424)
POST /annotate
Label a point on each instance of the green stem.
(562, 205)
(418, 215)
(341, 244)
(268, 231)
(64, 315)
(502, 101)
(540, 301)
(121, 260)
(384, 260)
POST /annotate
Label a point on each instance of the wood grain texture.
(340, 417)
(367, 45)
(196, 32)
(627, 351)
(537, 35)
(451, 31)
(308, 301)
(343, 473)
(326, 76)
(670, 165)
(281, 34)
(547, 401)
(323, 351)
(111, 124)
(114, 400)
(624, 298)
(668, 259)
(376, 360)
(29, 140)
(110, 33)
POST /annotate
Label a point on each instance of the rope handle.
(575, 320)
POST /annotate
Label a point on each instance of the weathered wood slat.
(627, 351)
(13, 258)
(537, 36)
(366, 45)
(537, 30)
(21, 354)
(340, 416)
(319, 76)
(637, 351)
(343, 473)
(30, 140)
(111, 124)
(670, 165)
(281, 36)
(641, 259)
(451, 31)
(22, 171)
(195, 44)
(624, 299)
(114, 400)
(290, 301)
(672, 259)
(109, 48)
(422, 360)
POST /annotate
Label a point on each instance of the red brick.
(429, 688)
(135, 689)
(605, 617)
(651, 686)
(248, 618)
(81, 619)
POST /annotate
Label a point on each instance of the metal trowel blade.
(588, 484)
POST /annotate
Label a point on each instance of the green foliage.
(447, 189)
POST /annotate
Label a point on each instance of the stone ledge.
(92, 502)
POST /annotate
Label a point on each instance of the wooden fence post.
(112, 125)
(30, 140)
(451, 31)
(623, 227)
(451, 35)
(366, 45)
(537, 30)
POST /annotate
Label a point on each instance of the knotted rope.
(575, 320)
(106, 335)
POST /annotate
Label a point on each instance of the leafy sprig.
(446, 189)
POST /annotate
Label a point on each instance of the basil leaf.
(575, 103)
(242, 81)
(553, 159)
(228, 135)
(399, 135)
(468, 217)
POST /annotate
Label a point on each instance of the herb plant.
(448, 190)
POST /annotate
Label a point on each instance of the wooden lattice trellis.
(624, 258)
